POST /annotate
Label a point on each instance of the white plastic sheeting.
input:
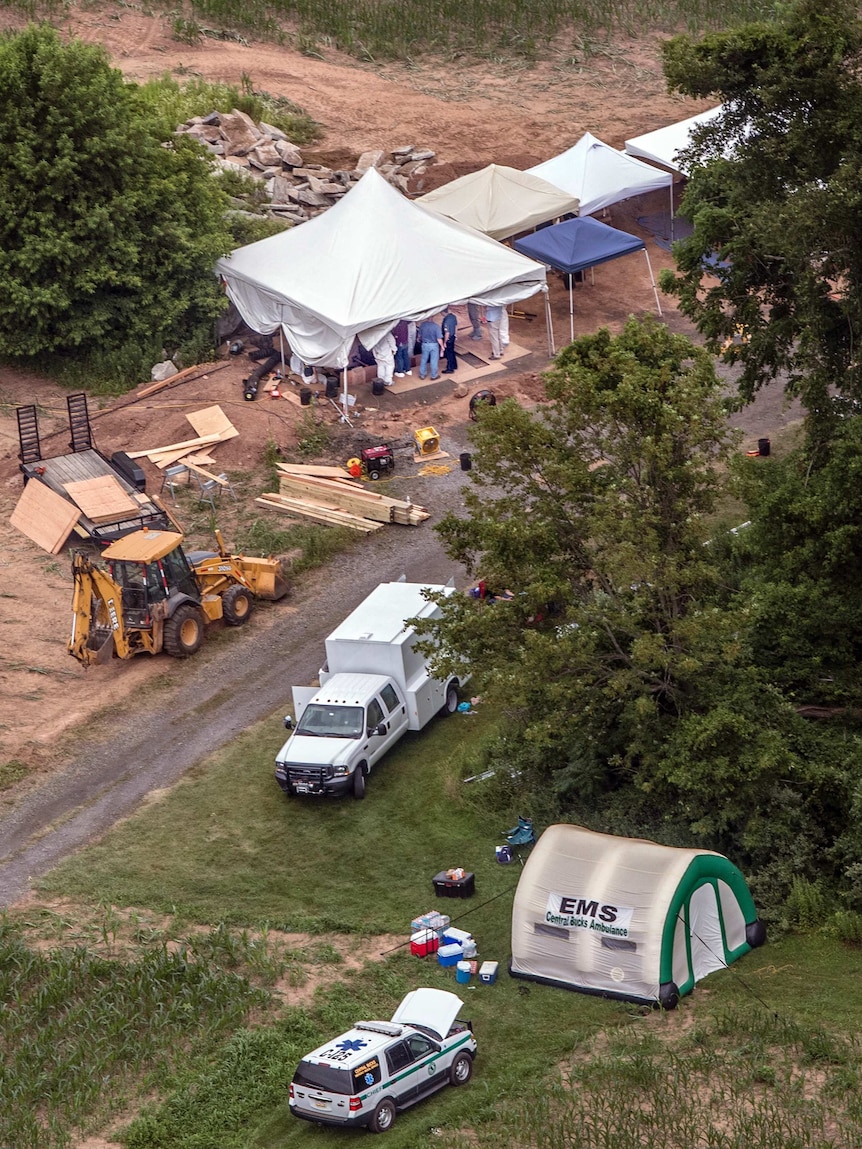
(598, 175)
(358, 268)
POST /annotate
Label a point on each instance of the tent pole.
(571, 312)
(344, 403)
(281, 347)
(671, 209)
(652, 281)
(549, 323)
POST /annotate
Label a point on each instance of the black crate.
(454, 887)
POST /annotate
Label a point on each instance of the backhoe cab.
(154, 596)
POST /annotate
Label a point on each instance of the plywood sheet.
(212, 421)
(102, 500)
(44, 516)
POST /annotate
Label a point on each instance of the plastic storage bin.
(454, 887)
(450, 955)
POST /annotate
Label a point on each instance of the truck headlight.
(339, 772)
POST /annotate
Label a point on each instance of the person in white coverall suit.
(384, 357)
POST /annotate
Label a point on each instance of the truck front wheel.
(359, 782)
(451, 703)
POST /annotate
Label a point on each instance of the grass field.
(180, 905)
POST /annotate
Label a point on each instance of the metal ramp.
(79, 422)
(30, 449)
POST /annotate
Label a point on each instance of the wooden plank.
(200, 441)
(337, 496)
(206, 474)
(320, 514)
(212, 421)
(44, 516)
(163, 383)
(202, 458)
(319, 469)
(101, 499)
(313, 485)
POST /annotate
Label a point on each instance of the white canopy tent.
(500, 201)
(598, 175)
(664, 145)
(370, 260)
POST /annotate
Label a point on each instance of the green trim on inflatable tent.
(628, 918)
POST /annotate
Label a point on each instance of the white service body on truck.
(374, 686)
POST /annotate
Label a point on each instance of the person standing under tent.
(384, 356)
(504, 328)
(475, 318)
(494, 318)
(431, 339)
(449, 327)
(403, 350)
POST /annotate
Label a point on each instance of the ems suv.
(366, 1075)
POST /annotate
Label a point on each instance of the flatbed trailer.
(84, 462)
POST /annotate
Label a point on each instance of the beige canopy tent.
(500, 201)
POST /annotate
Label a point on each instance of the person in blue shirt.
(431, 339)
(449, 327)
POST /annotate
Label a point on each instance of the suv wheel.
(462, 1069)
(383, 1118)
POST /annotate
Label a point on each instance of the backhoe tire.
(184, 631)
(237, 603)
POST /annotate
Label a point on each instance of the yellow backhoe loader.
(153, 596)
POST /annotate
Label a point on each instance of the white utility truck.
(374, 686)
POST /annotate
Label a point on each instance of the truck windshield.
(320, 721)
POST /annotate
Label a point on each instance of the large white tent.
(500, 201)
(598, 175)
(664, 145)
(370, 260)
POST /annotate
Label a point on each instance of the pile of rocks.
(296, 191)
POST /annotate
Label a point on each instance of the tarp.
(628, 918)
(576, 244)
(358, 268)
(664, 145)
(500, 201)
(599, 175)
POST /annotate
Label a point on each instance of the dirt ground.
(471, 114)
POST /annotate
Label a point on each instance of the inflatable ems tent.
(627, 918)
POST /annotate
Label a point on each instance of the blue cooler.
(462, 972)
(488, 972)
(450, 955)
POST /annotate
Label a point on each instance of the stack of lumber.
(212, 427)
(330, 495)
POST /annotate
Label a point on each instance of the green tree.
(108, 231)
(592, 512)
(775, 193)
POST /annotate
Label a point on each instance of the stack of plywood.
(102, 499)
(330, 495)
(212, 426)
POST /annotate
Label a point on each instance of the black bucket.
(466, 461)
(377, 387)
(332, 387)
(305, 396)
(763, 447)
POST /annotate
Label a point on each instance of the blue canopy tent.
(577, 244)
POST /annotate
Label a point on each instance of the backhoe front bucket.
(265, 577)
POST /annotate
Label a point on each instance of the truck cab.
(340, 734)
